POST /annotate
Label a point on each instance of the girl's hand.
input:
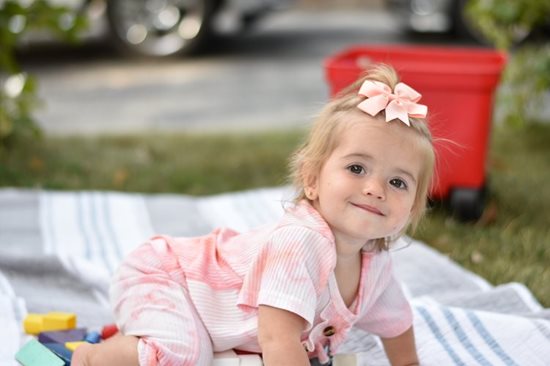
(279, 335)
(401, 350)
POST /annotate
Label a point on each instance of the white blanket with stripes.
(58, 249)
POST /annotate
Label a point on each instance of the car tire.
(158, 28)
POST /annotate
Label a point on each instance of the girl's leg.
(118, 350)
(151, 302)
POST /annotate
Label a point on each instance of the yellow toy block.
(59, 321)
(73, 345)
(33, 323)
(37, 323)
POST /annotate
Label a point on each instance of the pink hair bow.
(400, 104)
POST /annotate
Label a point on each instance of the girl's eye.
(356, 169)
(398, 183)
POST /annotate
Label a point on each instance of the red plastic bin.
(458, 85)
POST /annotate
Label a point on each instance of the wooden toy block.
(33, 323)
(108, 331)
(36, 323)
(93, 337)
(344, 359)
(74, 345)
(250, 360)
(226, 358)
(62, 336)
(61, 351)
(59, 321)
(33, 353)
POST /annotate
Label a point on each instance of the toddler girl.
(292, 290)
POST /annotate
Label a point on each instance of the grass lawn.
(510, 243)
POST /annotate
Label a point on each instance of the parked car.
(442, 16)
(167, 27)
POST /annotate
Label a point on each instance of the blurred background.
(250, 68)
(201, 97)
(149, 65)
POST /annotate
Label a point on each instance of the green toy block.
(33, 353)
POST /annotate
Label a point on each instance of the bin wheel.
(467, 204)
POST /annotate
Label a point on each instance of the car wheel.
(464, 27)
(160, 27)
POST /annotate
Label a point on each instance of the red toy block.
(109, 331)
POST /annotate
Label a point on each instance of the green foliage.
(503, 21)
(527, 79)
(17, 101)
(18, 98)
(527, 76)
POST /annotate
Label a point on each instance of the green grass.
(510, 243)
(191, 164)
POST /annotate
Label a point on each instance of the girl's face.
(366, 188)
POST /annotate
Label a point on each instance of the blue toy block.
(61, 351)
(34, 353)
(93, 337)
(62, 336)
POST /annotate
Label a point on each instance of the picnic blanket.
(59, 248)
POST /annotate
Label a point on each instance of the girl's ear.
(310, 185)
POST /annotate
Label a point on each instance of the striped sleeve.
(390, 315)
(289, 272)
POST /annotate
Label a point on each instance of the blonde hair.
(308, 159)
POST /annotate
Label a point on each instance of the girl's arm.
(118, 350)
(279, 333)
(401, 350)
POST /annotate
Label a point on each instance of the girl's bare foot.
(118, 350)
(81, 355)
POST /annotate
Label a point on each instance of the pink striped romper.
(189, 297)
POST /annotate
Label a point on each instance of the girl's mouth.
(369, 208)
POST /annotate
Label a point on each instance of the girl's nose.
(374, 187)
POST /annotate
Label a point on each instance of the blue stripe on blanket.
(439, 336)
(543, 328)
(107, 217)
(489, 340)
(82, 226)
(97, 230)
(463, 338)
(50, 238)
(87, 224)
